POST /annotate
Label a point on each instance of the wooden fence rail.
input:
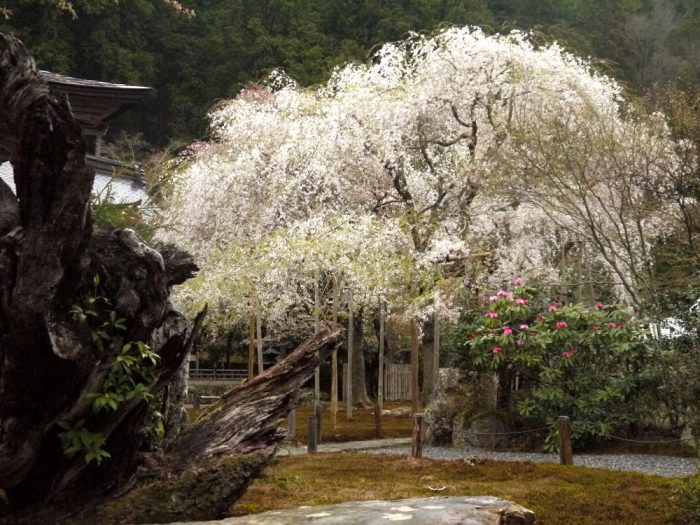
(213, 374)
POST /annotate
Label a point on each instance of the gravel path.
(668, 466)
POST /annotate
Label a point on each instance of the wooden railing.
(213, 374)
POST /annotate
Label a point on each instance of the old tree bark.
(76, 311)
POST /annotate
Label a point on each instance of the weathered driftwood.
(213, 461)
(50, 365)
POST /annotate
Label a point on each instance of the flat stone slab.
(449, 510)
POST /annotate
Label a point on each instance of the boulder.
(481, 510)
(454, 394)
(483, 430)
(689, 436)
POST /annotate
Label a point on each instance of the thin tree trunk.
(359, 379)
(258, 340)
(380, 371)
(317, 328)
(251, 347)
(436, 351)
(334, 361)
(427, 347)
(415, 393)
(351, 346)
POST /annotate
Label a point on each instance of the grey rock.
(689, 436)
(456, 394)
(486, 430)
(453, 510)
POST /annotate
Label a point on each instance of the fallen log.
(213, 461)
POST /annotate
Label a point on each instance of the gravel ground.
(668, 466)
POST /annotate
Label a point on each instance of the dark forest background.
(648, 45)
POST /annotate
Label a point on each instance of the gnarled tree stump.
(72, 305)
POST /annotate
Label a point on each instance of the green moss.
(686, 498)
(558, 495)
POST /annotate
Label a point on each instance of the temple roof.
(95, 103)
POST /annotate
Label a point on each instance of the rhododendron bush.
(560, 360)
(472, 156)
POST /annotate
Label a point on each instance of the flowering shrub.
(570, 360)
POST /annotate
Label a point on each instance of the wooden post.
(251, 347)
(417, 442)
(348, 380)
(292, 424)
(258, 329)
(334, 362)
(312, 437)
(566, 456)
(378, 427)
(436, 351)
(414, 366)
(318, 412)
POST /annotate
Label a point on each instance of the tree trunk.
(86, 319)
(415, 387)
(359, 382)
(428, 350)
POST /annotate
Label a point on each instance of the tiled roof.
(55, 78)
(95, 103)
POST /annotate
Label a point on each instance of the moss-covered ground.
(361, 426)
(559, 495)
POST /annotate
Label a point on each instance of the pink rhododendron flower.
(562, 324)
(507, 330)
(496, 349)
(491, 315)
(595, 327)
(520, 342)
(502, 293)
(521, 301)
(493, 298)
(524, 326)
(551, 308)
(599, 306)
(565, 354)
(519, 281)
(612, 325)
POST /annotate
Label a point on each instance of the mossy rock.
(195, 495)
(486, 429)
(455, 394)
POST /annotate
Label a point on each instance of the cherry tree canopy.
(458, 146)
